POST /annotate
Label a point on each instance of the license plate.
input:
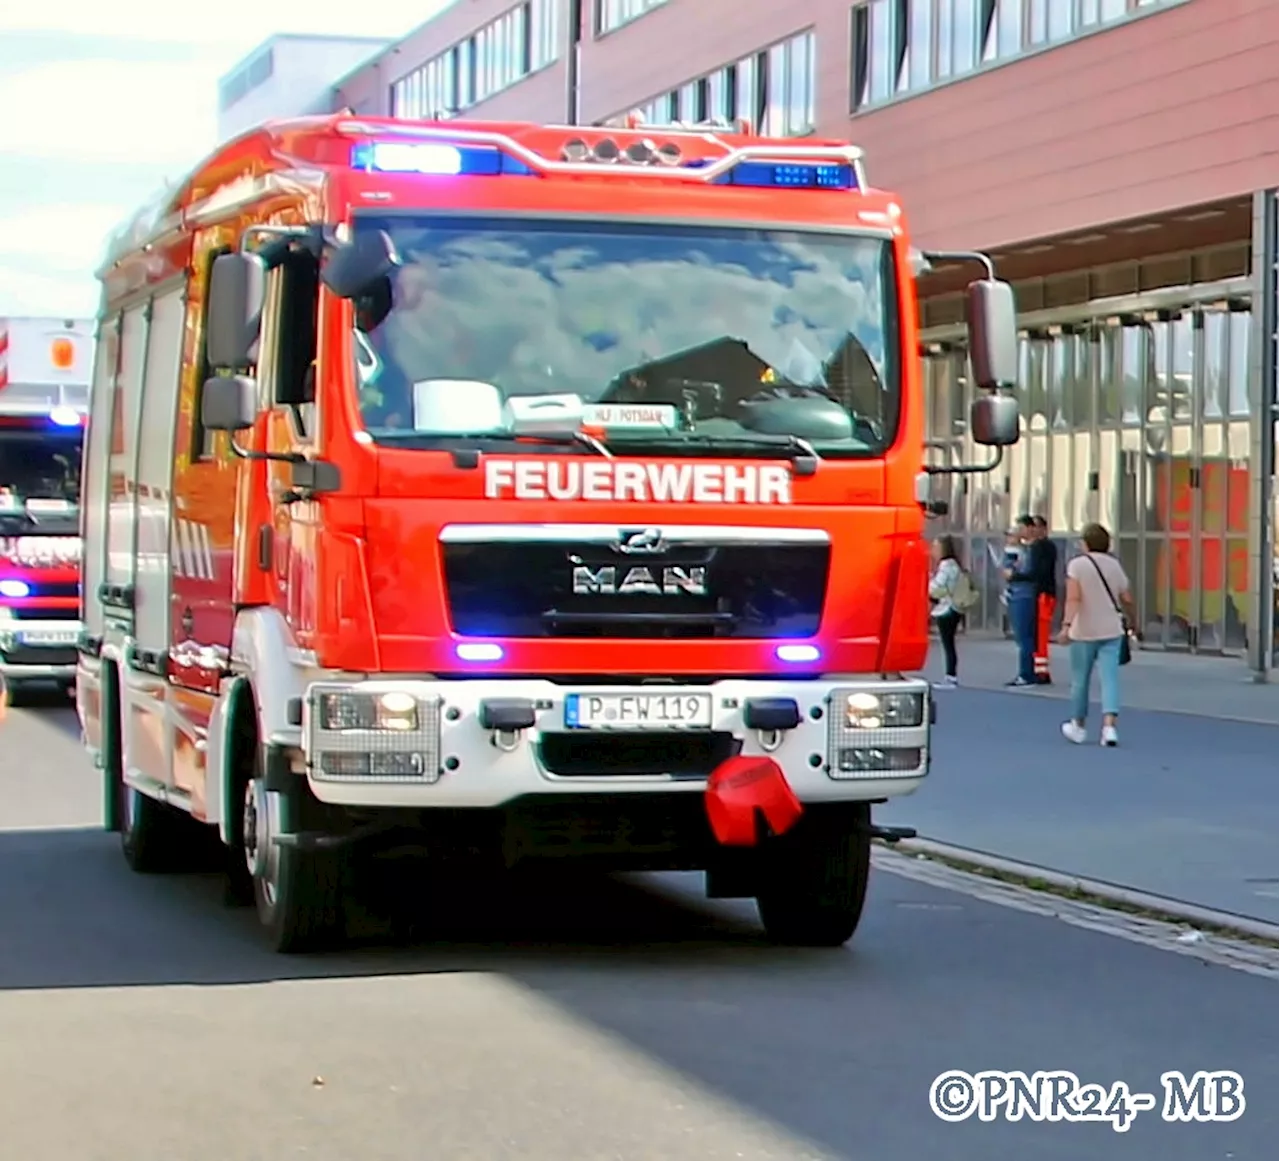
(637, 711)
(49, 637)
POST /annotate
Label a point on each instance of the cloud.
(159, 115)
(32, 292)
(62, 236)
(571, 315)
(163, 20)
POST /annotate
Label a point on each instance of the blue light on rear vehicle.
(790, 175)
(14, 589)
(64, 417)
(479, 651)
(797, 653)
(433, 159)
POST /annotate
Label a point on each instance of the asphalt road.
(1185, 807)
(602, 1021)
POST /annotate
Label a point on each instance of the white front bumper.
(462, 764)
(33, 642)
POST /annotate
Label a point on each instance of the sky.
(104, 103)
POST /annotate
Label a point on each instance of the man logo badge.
(669, 581)
(640, 542)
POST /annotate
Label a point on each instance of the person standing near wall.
(1046, 598)
(953, 593)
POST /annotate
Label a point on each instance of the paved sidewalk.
(1216, 687)
(1186, 807)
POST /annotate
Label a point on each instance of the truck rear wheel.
(815, 878)
(298, 893)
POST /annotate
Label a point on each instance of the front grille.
(28, 655)
(31, 614)
(586, 589)
(679, 755)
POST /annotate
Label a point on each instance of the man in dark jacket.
(1046, 599)
(1027, 580)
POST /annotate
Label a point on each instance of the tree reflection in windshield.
(667, 331)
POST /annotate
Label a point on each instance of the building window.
(902, 46)
(495, 57)
(244, 80)
(775, 90)
(611, 14)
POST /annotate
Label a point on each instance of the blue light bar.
(797, 653)
(14, 589)
(479, 651)
(790, 175)
(435, 159)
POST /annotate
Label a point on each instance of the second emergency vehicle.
(44, 389)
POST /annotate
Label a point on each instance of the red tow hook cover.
(738, 788)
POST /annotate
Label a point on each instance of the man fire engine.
(44, 382)
(544, 491)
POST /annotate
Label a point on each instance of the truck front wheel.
(815, 877)
(298, 893)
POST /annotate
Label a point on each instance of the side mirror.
(237, 291)
(994, 421)
(228, 404)
(350, 268)
(993, 333)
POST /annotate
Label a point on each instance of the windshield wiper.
(803, 455)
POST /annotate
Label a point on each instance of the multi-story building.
(288, 76)
(1118, 156)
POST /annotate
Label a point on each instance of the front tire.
(816, 878)
(298, 893)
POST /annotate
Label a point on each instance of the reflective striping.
(192, 550)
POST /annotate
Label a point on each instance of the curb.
(1105, 894)
(1054, 694)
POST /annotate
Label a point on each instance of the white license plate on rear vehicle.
(39, 637)
(637, 711)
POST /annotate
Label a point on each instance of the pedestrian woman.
(1094, 625)
(948, 578)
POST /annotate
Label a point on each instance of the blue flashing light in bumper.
(479, 651)
(797, 653)
(434, 159)
(14, 589)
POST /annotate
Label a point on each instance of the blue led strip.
(790, 175)
(434, 159)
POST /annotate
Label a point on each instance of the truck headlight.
(884, 711)
(394, 710)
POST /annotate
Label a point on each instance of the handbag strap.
(1098, 569)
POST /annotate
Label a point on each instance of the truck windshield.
(40, 476)
(680, 339)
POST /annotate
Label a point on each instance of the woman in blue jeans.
(1092, 624)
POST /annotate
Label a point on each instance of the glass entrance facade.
(1137, 416)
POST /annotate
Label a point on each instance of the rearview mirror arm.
(965, 469)
(933, 256)
(267, 457)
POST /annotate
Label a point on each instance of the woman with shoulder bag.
(1094, 624)
(953, 592)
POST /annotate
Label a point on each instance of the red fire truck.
(44, 374)
(537, 492)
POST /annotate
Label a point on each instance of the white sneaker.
(947, 683)
(1074, 733)
(1110, 737)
